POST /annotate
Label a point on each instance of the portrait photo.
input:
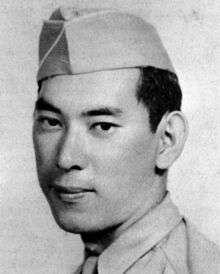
(110, 137)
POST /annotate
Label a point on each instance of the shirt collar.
(139, 238)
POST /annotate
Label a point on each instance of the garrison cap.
(76, 41)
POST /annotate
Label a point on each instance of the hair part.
(160, 92)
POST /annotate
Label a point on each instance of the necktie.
(90, 265)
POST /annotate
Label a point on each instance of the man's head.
(106, 120)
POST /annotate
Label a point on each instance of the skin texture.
(108, 159)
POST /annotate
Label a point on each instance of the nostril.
(73, 167)
(76, 167)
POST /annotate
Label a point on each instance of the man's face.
(94, 148)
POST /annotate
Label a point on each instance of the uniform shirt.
(160, 241)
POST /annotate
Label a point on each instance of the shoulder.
(203, 255)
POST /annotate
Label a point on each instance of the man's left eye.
(104, 127)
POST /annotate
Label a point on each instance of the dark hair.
(160, 92)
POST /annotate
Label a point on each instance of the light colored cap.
(75, 41)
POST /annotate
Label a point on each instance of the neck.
(98, 241)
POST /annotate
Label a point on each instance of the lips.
(70, 194)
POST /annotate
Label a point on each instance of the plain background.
(30, 241)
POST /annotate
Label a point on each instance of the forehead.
(103, 88)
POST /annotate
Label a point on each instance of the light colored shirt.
(161, 241)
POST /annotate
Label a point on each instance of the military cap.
(75, 41)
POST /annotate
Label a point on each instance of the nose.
(72, 152)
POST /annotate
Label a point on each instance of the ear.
(172, 133)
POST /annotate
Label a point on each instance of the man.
(107, 127)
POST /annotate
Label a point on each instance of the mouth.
(70, 194)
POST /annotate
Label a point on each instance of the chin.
(69, 226)
(77, 223)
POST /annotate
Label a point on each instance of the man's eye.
(104, 127)
(47, 123)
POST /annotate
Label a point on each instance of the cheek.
(45, 150)
(124, 173)
(128, 158)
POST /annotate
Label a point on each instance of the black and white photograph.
(110, 137)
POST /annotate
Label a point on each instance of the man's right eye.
(48, 123)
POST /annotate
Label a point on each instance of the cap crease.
(52, 47)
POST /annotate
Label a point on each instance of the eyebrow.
(41, 104)
(105, 111)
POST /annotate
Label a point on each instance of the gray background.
(30, 241)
